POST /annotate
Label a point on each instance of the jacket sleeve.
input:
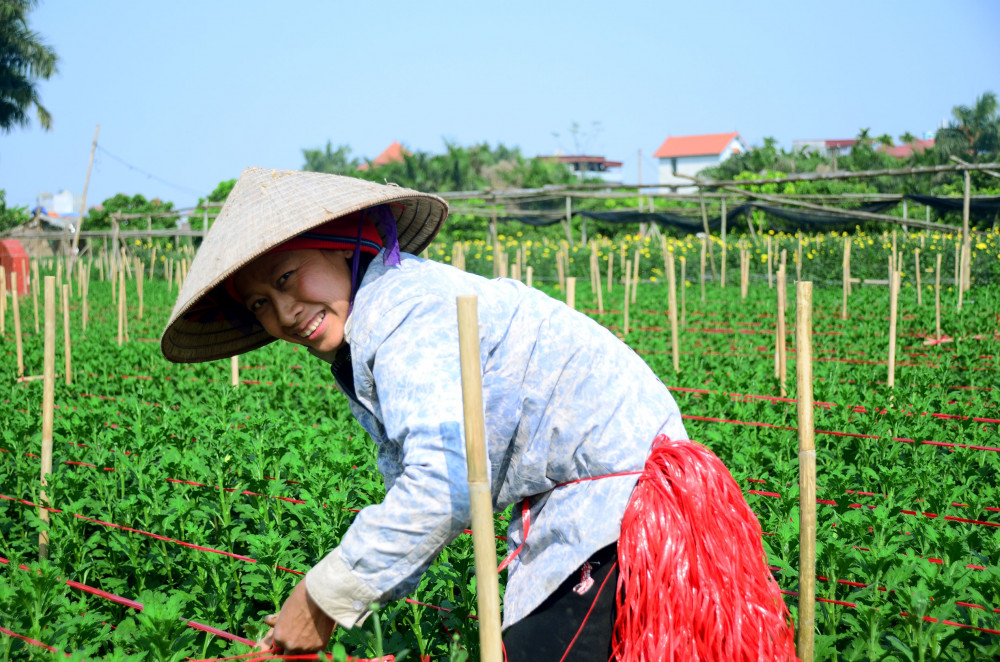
(389, 545)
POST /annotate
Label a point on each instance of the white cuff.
(338, 592)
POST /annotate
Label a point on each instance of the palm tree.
(24, 60)
(975, 130)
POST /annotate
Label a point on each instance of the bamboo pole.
(139, 274)
(916, 271)
(611, 262)
(807, 470)
(684, 291)
(600, 298)
(966, 253)
(722, 266)
(893, 312)
(846, 277)
(770, 282)
(234, 371)
(798, 259)
(937, 297)
(635, 276)
(704, 240)
(708, 233)
(672, 308)
(3, 301)
(560, 271)
(18, 341)
(85, 312)
(960, 279)
(66, 335)
(34, 284)
(782, 348)
(48, 409)
(530, 276)
(628, 285)
(571, 292)
(121, 306)
(480, 497)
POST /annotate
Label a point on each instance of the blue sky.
(192, 92)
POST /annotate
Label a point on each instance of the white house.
(687, 155)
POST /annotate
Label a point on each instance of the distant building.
(394, 153)
(687, 155)
(907, 150)
(589, 166)
(827, 148)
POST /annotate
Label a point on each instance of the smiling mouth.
(311, 329)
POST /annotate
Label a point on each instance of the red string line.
(711, 419)
(33, 642)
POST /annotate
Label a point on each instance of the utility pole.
(83, 206)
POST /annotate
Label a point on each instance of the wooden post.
(481, 501)
(571, 292)
(798, 259)
(722, 265)
(960, 279)
(708, 233)
(893, 311)
(48, 408)
(85, 312)
(937, 297)
(672, 309)
(234, 371)
(530, 276)
(807, 470)
(628, 286)
(19, 345)
(916, 271)
(781, 347)
(66, 335)
(704, 249)
(683, 292)
(560, 271)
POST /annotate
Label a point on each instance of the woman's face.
(301, 296)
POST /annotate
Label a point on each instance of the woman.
(329, 263)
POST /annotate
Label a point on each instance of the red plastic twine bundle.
(693, 578)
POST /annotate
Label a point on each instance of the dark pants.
(570, 626)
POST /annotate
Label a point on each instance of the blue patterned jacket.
(563, 399)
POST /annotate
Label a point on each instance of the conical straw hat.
(265, 209)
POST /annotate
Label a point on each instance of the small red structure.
(14, 260)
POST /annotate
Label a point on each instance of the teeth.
(312, 327)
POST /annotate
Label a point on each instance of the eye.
(283, 278)
(256, 304)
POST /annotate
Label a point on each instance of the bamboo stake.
(807, 470)
(86, 300)
(672, 309)
(66, 335)
(139, 273)
(798, 260)
(611, 262)
(628, 285)
(893, 311)
(560, 271)
(17, 324)
(121, 306)
(782, 348)
(234, 371)
(722, 266)
(703, 251)
(480, 498)
(571, 292)
(965, 233)
(937, 297)
(635, 276)
(684, 288)
(846, 277)
(600, 298)
(3, 301)
(769, 262)
(34, 285)
(916, 270)
(960, 281)
(530, 275)
(48, 409)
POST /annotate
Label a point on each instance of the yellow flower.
(981, 246)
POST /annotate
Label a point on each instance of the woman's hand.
(300, 627)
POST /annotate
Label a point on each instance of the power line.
(149, 174)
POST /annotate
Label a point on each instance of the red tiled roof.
(902, 151)
(840, 143)
(703, 145)
(392, 154)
